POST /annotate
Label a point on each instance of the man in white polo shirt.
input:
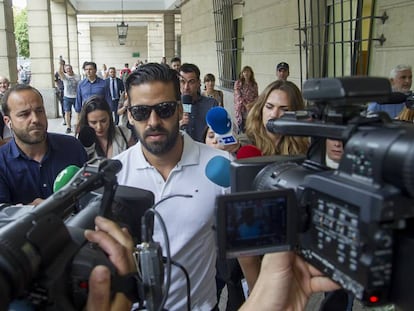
(169, 163)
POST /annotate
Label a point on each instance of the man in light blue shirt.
(91, 85)
(401, 78)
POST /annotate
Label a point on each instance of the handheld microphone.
(152, 271)
(187, 101)
(87, 137)
(219, 121)
(63, 178)
(218, 171)
(248, 151)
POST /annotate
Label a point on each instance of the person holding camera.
(285, 281)
(70, 82)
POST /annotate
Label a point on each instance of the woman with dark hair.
(209, 83)
(110, 139)
(245, 93)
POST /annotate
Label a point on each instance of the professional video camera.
(355, 223)
(45, 259)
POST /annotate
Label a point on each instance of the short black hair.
(175, 59)
(89, 64)
(15, 89)
(187, 68)
(152, 72)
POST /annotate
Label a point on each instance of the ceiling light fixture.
(122, 28)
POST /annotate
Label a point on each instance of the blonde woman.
(406, 115)
(276, 98)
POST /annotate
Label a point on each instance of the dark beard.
(160, 148)
(29, 140)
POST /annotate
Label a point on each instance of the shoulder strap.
(123, 135)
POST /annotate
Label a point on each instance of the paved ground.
(55, 126)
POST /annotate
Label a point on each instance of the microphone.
(218, 171)
(219, 121)
(152, 271)
(87, 137)
(248, 151)
(187, 101)
(63, 178)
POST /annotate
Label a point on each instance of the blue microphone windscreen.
(218, 171)
(218, 119)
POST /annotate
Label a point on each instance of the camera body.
(353, 223)
(44, 256)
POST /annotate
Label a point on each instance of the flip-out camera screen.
(252, 223)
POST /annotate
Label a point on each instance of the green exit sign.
(135, 54)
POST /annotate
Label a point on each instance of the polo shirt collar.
(190, 155)
(15, 151)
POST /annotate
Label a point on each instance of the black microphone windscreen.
(187, 99)
(394, 98)
(87, 136)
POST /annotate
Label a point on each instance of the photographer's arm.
(286, 282)
(250, 266)
(118, 245)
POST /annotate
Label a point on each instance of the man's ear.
(7, 121)
(130, 118)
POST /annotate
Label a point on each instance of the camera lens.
(281, 175)
(382, 155)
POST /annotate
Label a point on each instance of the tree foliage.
(21, 32)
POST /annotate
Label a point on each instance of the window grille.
(228, 45)
(335, 37)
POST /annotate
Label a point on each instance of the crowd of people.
(137, 118)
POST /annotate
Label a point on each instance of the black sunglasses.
(143, 112)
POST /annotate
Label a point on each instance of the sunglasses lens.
(140, 113)
(163, 110)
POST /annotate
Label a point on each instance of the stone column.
(8, 54)
(59, 32)
(169, 36)
(41, 53)
(73, 41)
(155, 41)
(84, 43)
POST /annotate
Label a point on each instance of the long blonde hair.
(406, 115)
(256, 131)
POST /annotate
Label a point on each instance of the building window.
(228, 42)
(335, 37)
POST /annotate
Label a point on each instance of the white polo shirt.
(189, 221)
